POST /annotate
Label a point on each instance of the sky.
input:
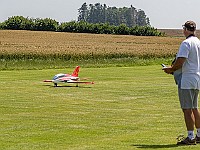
(163, 14)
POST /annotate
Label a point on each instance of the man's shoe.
(197, 139)
(187, 141)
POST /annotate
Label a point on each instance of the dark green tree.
(141, 19)
(113, 16)
(83, 13)
(97, 13)
(130, 14)
(18, 23)
(122, 29)
(46, 24)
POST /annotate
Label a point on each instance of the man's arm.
(177, 65)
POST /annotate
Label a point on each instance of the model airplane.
(68, 78)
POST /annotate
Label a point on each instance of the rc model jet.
(68, 78)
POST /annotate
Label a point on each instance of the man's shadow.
(155, 146)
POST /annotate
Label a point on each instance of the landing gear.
(55, 84)
(76, 84)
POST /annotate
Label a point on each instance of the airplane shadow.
(154, 146)
(66, 86)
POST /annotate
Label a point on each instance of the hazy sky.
(162, 13)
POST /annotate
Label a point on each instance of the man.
(186, 71)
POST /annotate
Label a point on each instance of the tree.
(83, 13)
(98, 13)
(18, 23)
(122, 29)
(46, 24)
(113, 16)
(141, 18)
(131, 16)
(104, 13)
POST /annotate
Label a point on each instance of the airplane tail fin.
(75, 73)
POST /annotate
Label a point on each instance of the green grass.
(36, 64)
(127, 108)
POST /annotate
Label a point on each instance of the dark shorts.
(188, 98)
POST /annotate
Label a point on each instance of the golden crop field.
(176, 32)
(59, 44)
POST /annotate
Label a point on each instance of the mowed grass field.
(127, 108)
(134, 107)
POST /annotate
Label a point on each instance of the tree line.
(48, 24)
(99, 13)
(22, 23)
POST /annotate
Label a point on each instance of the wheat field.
(41, 44)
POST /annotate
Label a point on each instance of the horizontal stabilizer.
(47, 81)
(80, 82)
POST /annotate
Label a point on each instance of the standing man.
(186, 71)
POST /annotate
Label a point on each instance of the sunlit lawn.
(126, 108)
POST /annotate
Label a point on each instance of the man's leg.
(197, 117)
(197, 123)
(189, 122)
(189, 119)
(186, 101)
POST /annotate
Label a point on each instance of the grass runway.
(127, 108)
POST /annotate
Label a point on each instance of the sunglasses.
(184, 28)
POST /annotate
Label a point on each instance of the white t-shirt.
(190, 49)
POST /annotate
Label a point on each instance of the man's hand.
(177, 65)
(168, 70)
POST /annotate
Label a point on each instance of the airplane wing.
(71, 81)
